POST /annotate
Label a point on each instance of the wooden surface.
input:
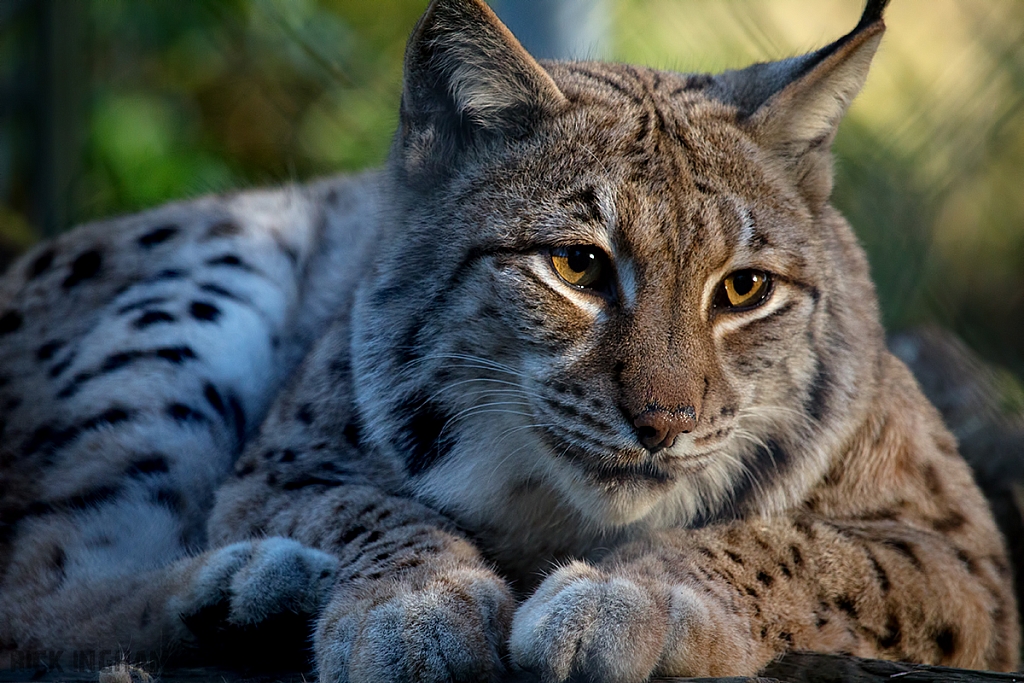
(794, 668)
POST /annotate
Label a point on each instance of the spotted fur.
(477, 465)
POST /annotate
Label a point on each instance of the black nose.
(657, 428)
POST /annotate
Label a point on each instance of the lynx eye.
(582, 265)
(744, 290)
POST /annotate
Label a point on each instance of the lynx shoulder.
(589, 381)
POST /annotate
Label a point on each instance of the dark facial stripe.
(769, 462)
(584, 204)
(610, 82)
(816, 404)
(423, 442)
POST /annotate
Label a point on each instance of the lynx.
(588, 382)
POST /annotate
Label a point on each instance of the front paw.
(583, 622)
(252, 602)
(451, 626)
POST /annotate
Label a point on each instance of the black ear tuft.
(873, 12)
(793, 107)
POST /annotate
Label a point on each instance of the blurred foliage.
(183, 98)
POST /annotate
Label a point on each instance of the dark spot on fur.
(798, 558)
(58, 559)
(764, 578)
(155, 237)
(170, 499)
(41, 264)
(751, 591)
(784, 568)
(904, 548)
(846, 604)
(11, 321)
(46, 351)
(305, 414)
(880, 574)
(353, 433)
(288, 455)
(764, 632)
(946, 641)
(83, 268)
(734, 557)
(176, 355)
(183, 413)
(352, 534)
(786, 636)
(818, 396)
(425, 446)
(969, 564)
(951, 522)
(155, 464)
(585, 205)
(245, 468)
(706, 552)
(230, 260)
(206, 312)
(152, 318)
(878, 515)
(893, 633)
(213, 397)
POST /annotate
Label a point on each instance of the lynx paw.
(583, 622)
(452, 627)
(247, 582)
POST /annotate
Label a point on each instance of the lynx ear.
(793, 107)
(466, 77)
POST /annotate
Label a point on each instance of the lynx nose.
(657, 428)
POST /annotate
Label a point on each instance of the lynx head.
(621, 285)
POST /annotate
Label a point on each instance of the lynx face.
(619, 284)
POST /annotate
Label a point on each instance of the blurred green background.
(109, 106)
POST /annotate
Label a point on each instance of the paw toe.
(281, 576)
(605, 628)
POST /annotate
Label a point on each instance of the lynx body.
(588, 381)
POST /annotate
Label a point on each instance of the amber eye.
(582, 265)
(744, 289)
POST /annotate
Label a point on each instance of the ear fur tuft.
(793, 107)
(467, 77)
